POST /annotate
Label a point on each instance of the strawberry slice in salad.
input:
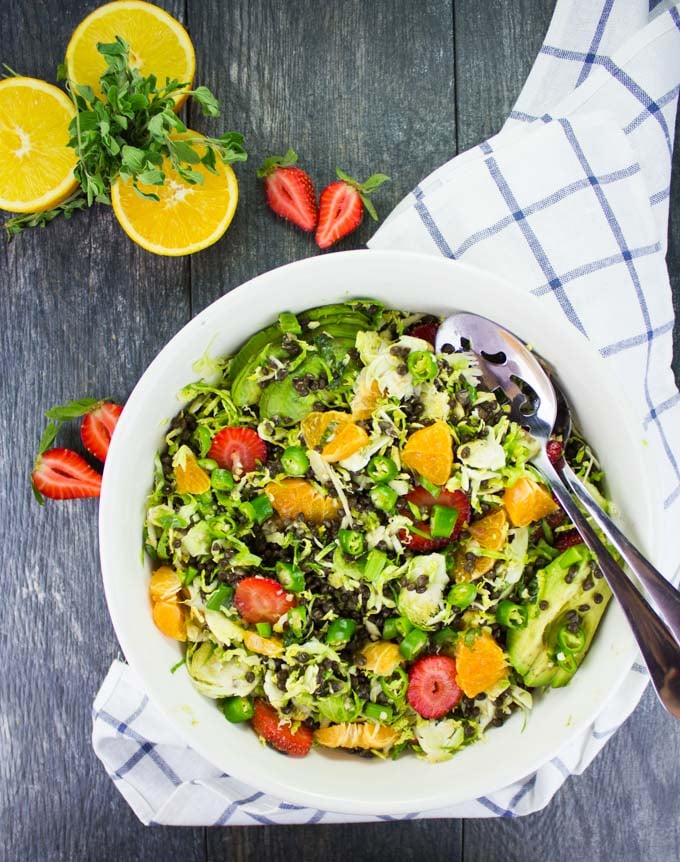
(432, 687)
(267, 723)
(420, 539)
(238, 449)
(262, 600)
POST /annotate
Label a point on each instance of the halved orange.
(36, 163)
(429, 452)
(479, 665)
(187, 218)
(293, 497)
(159, 44)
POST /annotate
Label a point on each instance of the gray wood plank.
(363, 86)
(84, 311)
(496, 45)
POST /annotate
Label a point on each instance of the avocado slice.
(253, 347)
(565, 585)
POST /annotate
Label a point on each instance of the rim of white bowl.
(156, 687)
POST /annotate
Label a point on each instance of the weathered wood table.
(385, 85)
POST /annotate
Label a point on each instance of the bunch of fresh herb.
(128, 132)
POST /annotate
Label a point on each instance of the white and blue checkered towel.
(570, 200)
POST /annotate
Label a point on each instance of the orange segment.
(429, 452)
(356, 735)
(382, 657)
(293, 497)
(159, 44)
(165, 583)
(170, 619)
(318, 427)
(191, 478)
(36, 165)
(526, 501)
(261, 645)
(187, 218)
(491, 532)
(363, 403)
(480, 665)
(349, 439)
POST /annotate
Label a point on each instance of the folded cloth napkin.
(569, 201)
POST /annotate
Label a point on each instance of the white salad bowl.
(332, 780)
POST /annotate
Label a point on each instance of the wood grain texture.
(384, 85)
(366, 86)
(83, 313)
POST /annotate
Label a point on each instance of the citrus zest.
(429, 452)
(36, 163)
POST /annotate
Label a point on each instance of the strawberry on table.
(63, 474)
(265, 722)
(238, 449)
(262, 600)
(341, 207)
(289, 190)
(98, 426)
(432, 687)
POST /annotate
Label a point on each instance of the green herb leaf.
(73, 409)
(126, 131)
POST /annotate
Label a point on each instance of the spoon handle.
(662, 593)
(658, 647)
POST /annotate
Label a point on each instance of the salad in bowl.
(347, 535)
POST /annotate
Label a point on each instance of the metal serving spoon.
(504, 360)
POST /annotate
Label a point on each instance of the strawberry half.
(98, 426)
(63, 474)
(425, 544)
(289, 190)
(432, 687)
(341, 207)
(262, 600)
(265, 722)
(238, 449)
